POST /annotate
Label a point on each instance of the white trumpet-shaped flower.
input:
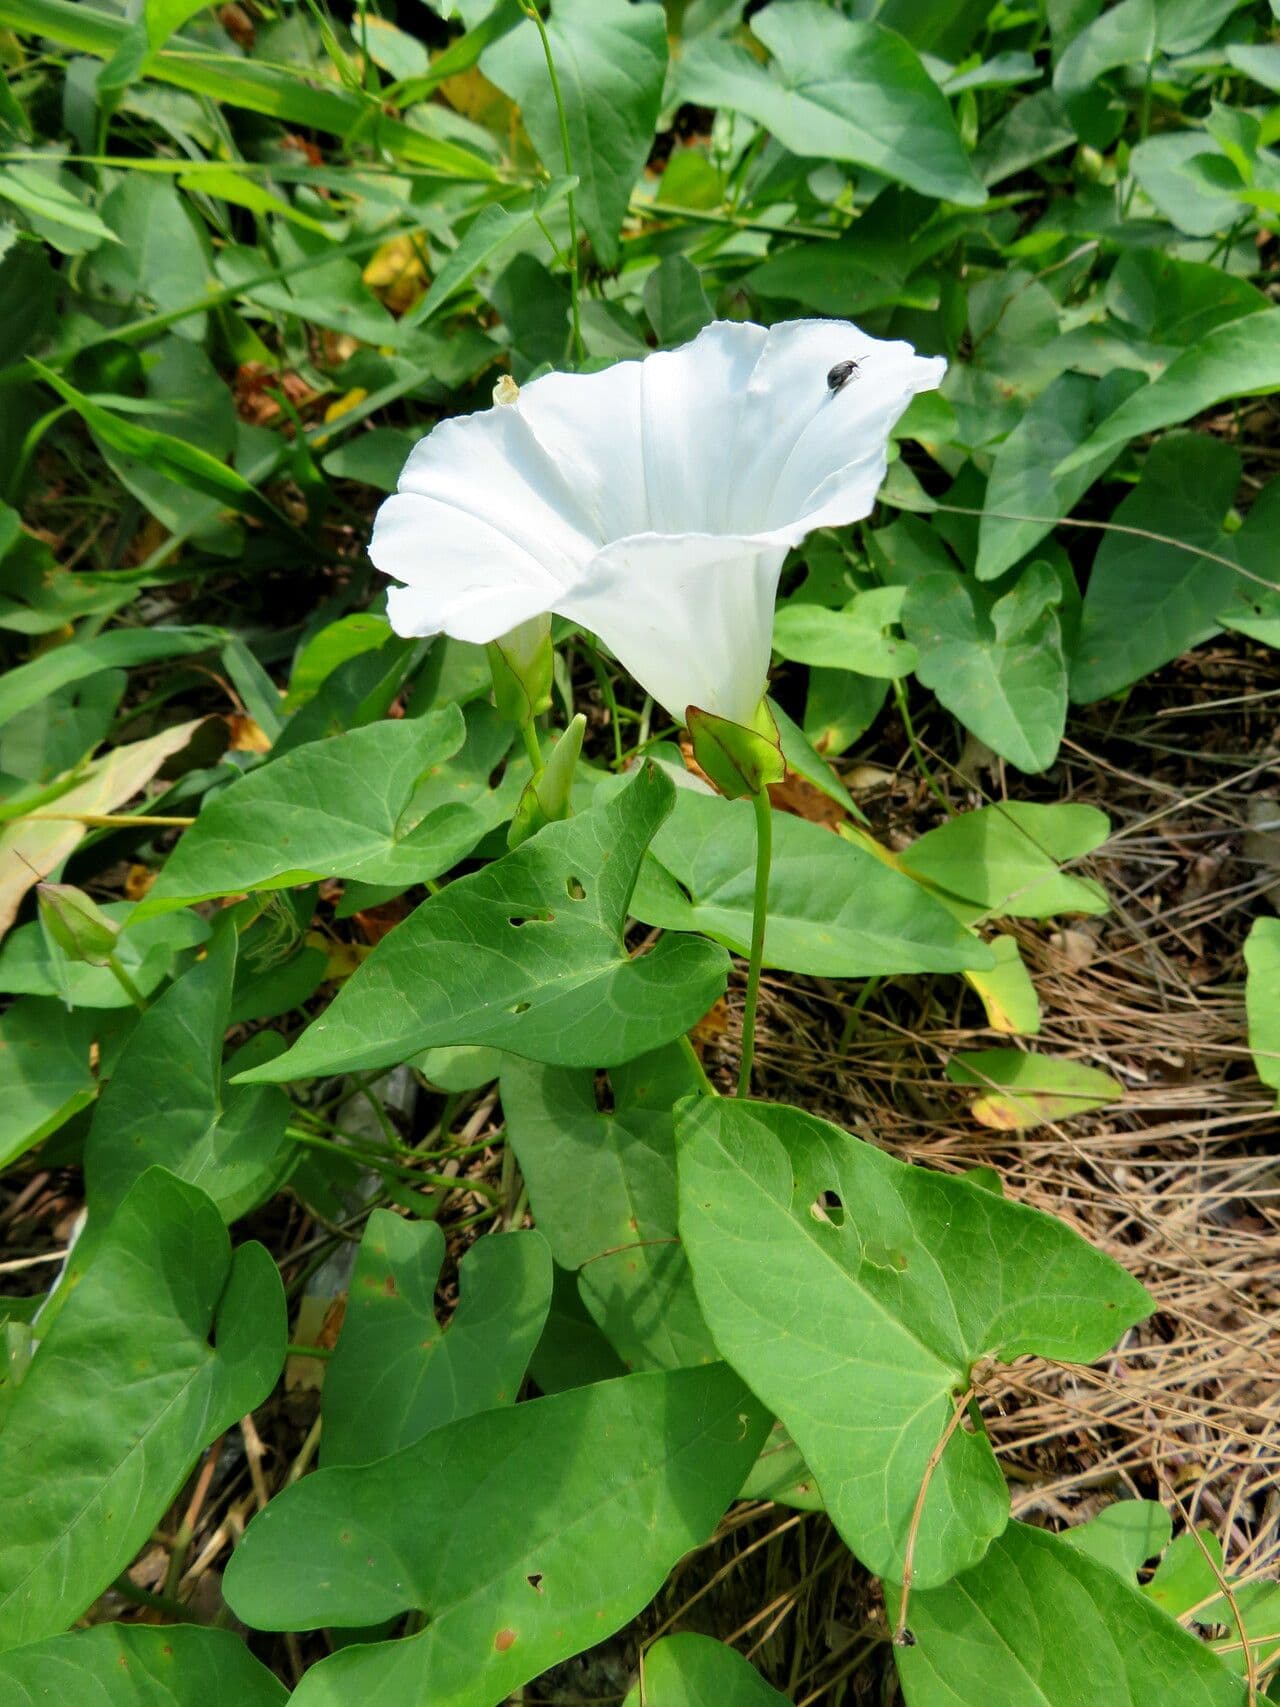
(653, 502)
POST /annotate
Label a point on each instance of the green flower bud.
(738, 760)
(78, 925)
(546, 796)
(520, 662)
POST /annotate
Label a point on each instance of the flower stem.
(126, 983)
(764, 855)
(532, 747)
(530, 9)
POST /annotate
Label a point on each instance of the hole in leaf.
(827, 1207)
(518, 919)
(575, 889)
(604, 1093)
(520, 1008)
(886, 1256)
(534, 1580)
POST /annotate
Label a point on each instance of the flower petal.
(639, 443)
(691, 617)
(588, 425)
(464, 577)
(801, 454)
(653, 501)
(481, 520)
(483, 614)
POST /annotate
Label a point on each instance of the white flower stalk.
(653, 503)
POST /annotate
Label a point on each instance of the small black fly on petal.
(841, 374)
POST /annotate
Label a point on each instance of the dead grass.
(1179, 1181)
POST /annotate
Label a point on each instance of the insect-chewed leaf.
(526, 955)
(137, 1665)
(523, 1534)
(854, 1293)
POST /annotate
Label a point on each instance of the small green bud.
(738, 760)
(78, 925)
(546, 797)
(521, 664)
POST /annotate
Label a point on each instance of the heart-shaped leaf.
(167, 1105)
(1150, 596)
(611, 58)
(853, 638)
(997, 663)
(602, 1187)
(83, 1483)
(1040, 1624)
(45, 1055)
(1262, 998)
(835, 911)
(137, 1665)
(1020, 1090)
(1239, 358)
(523, 1534)
(526, 955)
(1005, 858)
(839, 90)
(350, 806)
(395, 1375)
(696, 1671)
(32, 848)
(855, 1293)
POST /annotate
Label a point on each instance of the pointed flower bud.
(76, 923)
(546, 796)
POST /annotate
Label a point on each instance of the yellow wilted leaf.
(138, 879)
(348, 400)
(344, 957)
(397, 274)
(33, 846)
(246, 735)
(471, 94)
(1006, 991)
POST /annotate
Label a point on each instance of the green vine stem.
(904, 711)
(695, 1061)
(530, 10)
(759, 912)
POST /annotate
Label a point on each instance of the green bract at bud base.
(77, 924)
(546, 796)
(738, 760)
(520, 663)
